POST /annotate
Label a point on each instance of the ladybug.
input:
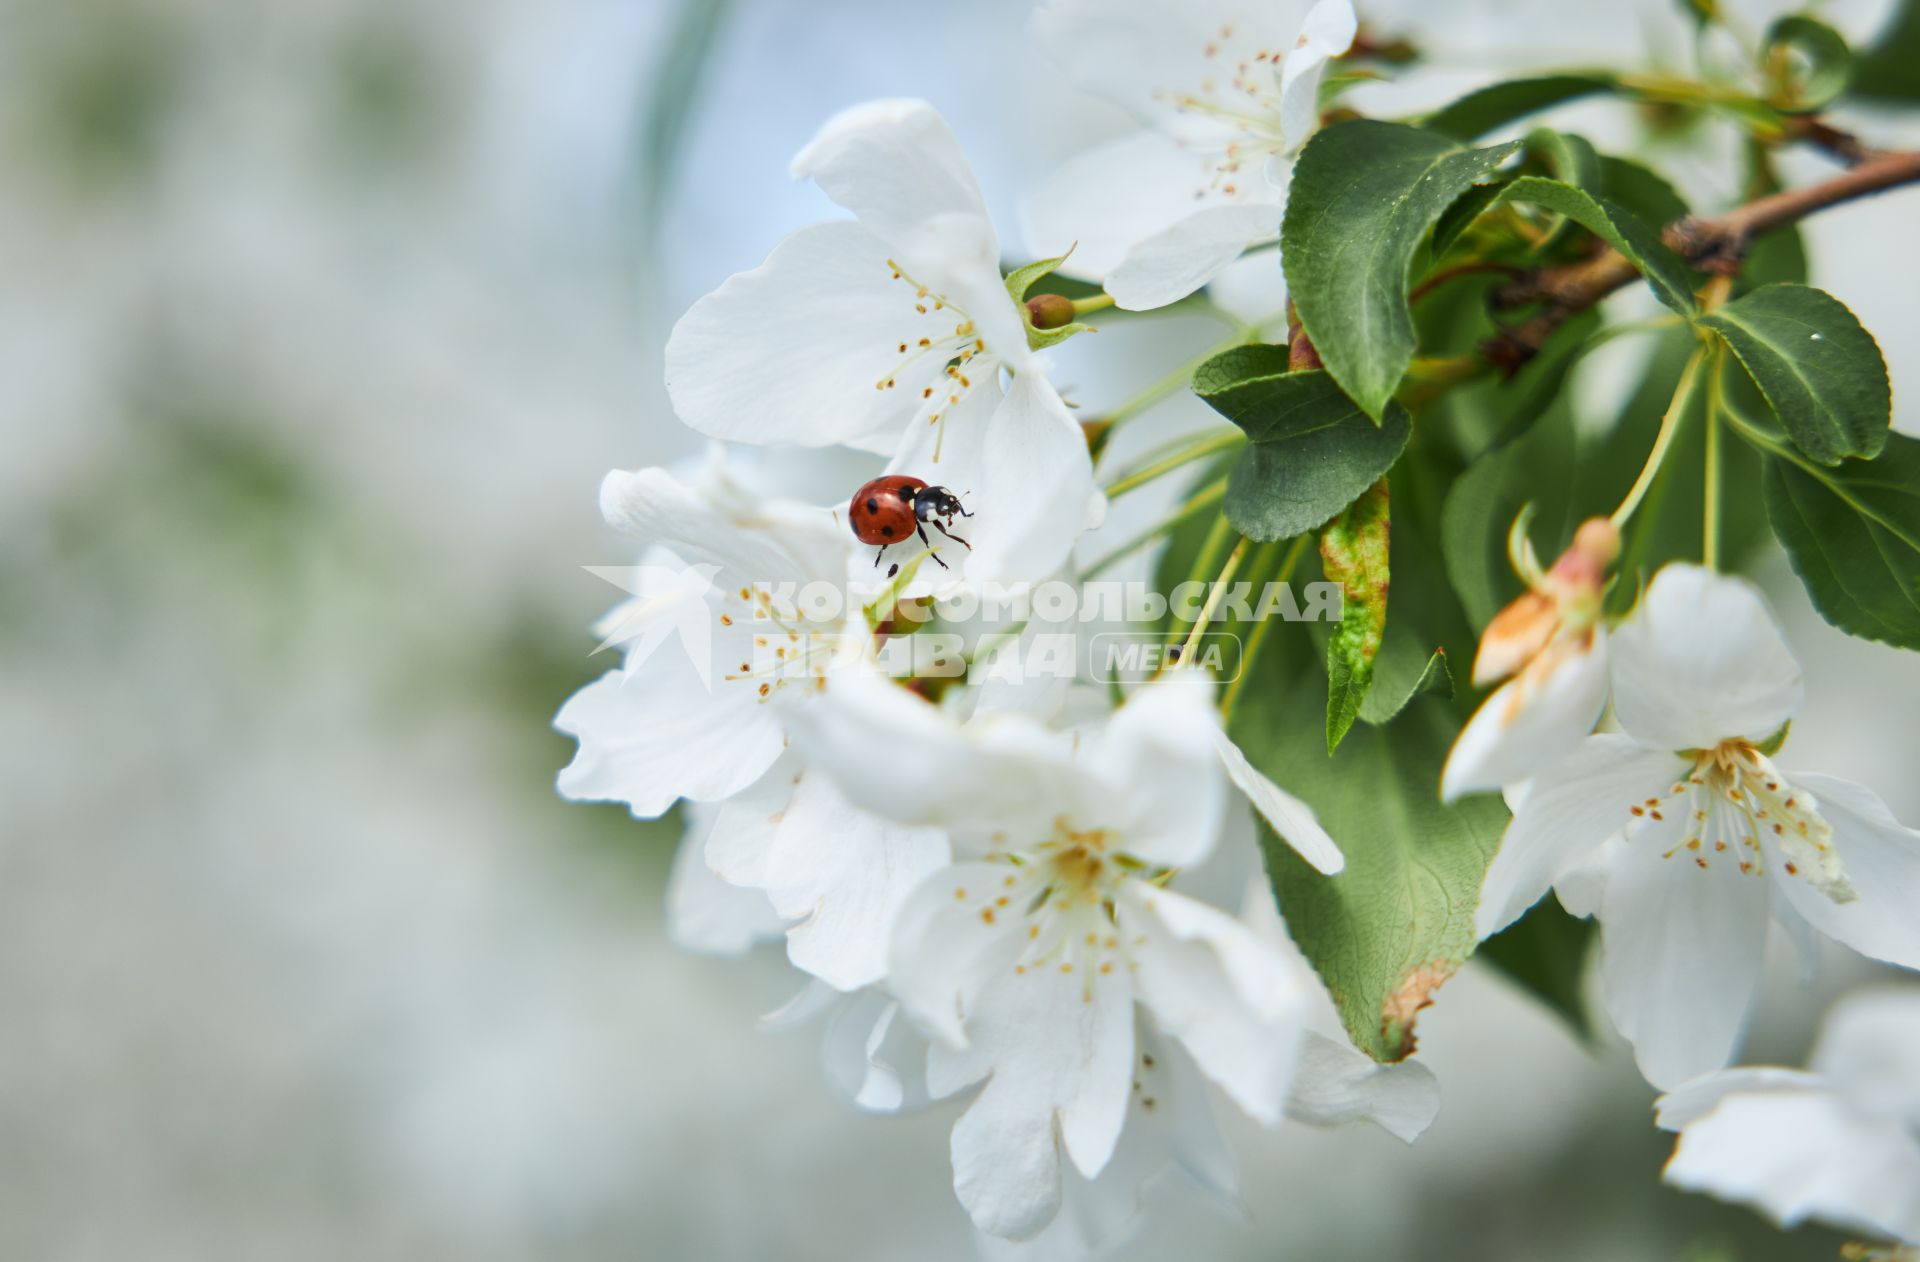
(886, 510)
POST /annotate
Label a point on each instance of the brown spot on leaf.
(1403, 1005)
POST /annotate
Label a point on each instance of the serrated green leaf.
(1363, 197)
(1398, 921)
(1479, 112)
(1852, 534)
(1821, 371)
(1353, 553)
(1466, 209)
(1807, 62)
(1311, 450)
(1618, 227)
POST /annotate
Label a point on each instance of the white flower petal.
(741, 830)
(1531, 721)
(655, 736)
(843, 874)
(1682, 949)
(1107, 199)
(1327, 33)
(1178, 260)
(1169, 1126)
(1334, 1084)
(1881, 858)
(1569, 811)
(1060, 1048)
(896, 165)
(945, 958)
(791, 351)
(765, 543)
(1152, 773)
(1802, 1155)
(893, 753)
(1291, 818)
(1684, 1105)
(1867, 1046)
(870, 1054)
(1037, 493)
(1146, 54)
(1211, 983)
(1701, 661)
(706, 915)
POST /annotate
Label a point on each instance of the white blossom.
(894, 332)
(660, 729)
(1839, 1143)
(1685, 839)
(1225, 92)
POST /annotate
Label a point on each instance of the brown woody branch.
(1717, 245)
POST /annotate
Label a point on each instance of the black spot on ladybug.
(873, 506)
(887, 531)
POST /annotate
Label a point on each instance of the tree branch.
(1717, 245)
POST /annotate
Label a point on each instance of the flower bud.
(1050, 311)
(1551, 640)
(1566, 599)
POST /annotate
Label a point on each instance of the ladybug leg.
(956, 538)
(922, 532)
(876, 556)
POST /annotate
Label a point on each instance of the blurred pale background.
(319, 322)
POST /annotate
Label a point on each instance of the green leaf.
(1400, 675)
(1353, 553)
(1477, 113)
(1821, 372)
(1398, 921)
(1852, 534)
(1545, 952)
(1466, 209)
(1641, 190)
(1885, 71)
(1363, 197)
(1618, 227)
(1807, 63)
(1570, 158)
(1312, 451)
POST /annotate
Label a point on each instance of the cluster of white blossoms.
(1047, 897)
(1676, 830)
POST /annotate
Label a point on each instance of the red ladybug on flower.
(888, 509)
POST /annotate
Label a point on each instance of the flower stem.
(1175, 380)
(1259, 635)
(1203, 500)
(1669, 425)
(1200, 450)
(1215, 594)
(1710, 496)
(1099, 302)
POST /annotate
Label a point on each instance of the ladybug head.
(937, 501)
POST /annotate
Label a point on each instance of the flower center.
(1063, 890)
(787, 645)
(1243, 117)
(1732, 800)
(946, 359)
